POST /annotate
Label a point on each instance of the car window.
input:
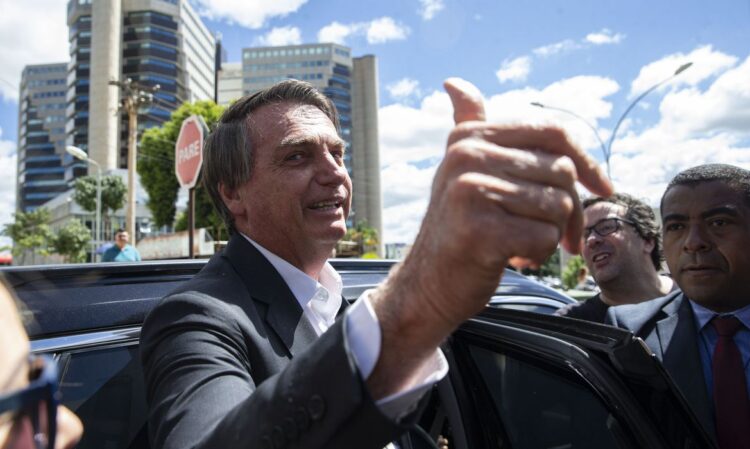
(540, 406)
(536, 308)
(104, 387)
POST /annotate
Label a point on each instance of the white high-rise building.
(152, 42)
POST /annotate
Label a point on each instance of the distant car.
(517, 379)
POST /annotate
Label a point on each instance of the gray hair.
(228, 155)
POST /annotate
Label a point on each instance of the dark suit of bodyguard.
(236, 358)
(702, 334)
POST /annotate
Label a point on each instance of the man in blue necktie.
(702, 334)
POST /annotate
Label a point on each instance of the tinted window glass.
(536, 308)
(540, 408)
(104, 387)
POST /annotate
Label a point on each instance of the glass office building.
(41, 135)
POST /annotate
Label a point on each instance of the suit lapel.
(678, 340)
(283, 314)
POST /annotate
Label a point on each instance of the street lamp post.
(80, 154)
(607, 149)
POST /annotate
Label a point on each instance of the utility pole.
(134, 97)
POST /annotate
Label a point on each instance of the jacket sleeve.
(203, 391)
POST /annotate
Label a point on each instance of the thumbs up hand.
(503, 194)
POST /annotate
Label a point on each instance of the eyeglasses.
(38, 402)
(605, 227)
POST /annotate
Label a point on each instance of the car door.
(526, 381)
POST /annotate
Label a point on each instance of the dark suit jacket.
(668, 327)
(230, 361)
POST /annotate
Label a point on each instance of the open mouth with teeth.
(600, 257)
(326, 205)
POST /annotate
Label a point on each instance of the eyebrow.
(308, 140)
(721, 210)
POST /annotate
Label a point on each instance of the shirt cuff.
(364, 338)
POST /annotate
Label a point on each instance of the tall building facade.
(229, 83)
(41, 135)
(152, 42)
(351, 83)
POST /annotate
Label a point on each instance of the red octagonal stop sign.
(188, 151)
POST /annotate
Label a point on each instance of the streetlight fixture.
(80, 154)
(607, 149)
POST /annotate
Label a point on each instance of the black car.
(519, 378)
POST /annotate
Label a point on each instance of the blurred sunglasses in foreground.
(37, 402)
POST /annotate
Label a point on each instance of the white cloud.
(251, 14)
(696, 125)
(723, 106)
(412, 140)
(706, 63)
(335, 32)
(557, 47)
(429, 8)
(277, 37)
(514, 70)
(404, 88)
(7, 180)
(42, 40)
(377, 31)
(604, 37)
(385, 29)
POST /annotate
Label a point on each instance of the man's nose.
(592, 239)
(695, 240)
(331, 171)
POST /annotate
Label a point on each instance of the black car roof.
(65, 299)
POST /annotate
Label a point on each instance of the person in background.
(121, 251)
(622, 251)
(27, 388)
(702, 333)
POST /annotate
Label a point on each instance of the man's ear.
(648, 245)
(232, 198)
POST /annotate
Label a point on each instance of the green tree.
(156, 169)
(71, 241)
(114, 192)
(366, 238)
(570, 273)
(205, 216)
(30, 232)
(550, 267)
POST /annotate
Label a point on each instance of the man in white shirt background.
(249, 353)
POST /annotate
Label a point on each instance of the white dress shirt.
(320, 300)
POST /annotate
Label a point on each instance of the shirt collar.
(303, 287)
(704, 315)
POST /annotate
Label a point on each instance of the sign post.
(188, 160)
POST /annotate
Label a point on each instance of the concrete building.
(41, 135)
(230, 83)
(152, 42)
(351, 83)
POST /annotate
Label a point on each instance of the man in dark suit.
(702, 334)
(249, 354)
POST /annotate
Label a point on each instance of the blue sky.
(592, 57)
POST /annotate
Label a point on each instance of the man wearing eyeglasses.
(29, 414)
(622, 250)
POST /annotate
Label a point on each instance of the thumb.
(467, 100)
